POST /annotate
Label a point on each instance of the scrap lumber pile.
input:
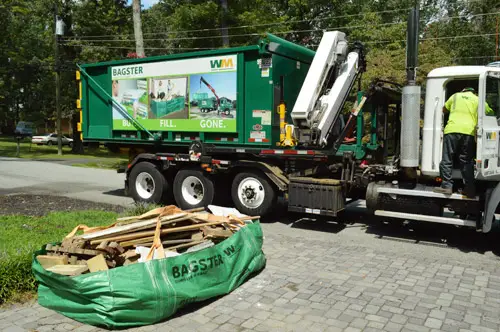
(162, 232)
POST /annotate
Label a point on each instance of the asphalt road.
(21, 176)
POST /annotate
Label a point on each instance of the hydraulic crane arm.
(202, 80)
(327, 85)
(330, 106)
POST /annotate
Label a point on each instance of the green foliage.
(103, 30)
(21, 236)
(101, 158)
(140, 208)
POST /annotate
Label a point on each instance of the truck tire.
(227, 111)
(252, 194)
(147, 184)
(192, 189)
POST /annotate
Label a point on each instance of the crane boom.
(327, 85)
(202, 80)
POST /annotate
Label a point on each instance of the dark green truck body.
(255, 77)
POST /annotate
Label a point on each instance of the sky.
(223, 83)
(145, 3)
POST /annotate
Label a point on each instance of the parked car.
(24, 128)
(51, 139)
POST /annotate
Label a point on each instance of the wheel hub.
(192, 190)
(145, 185)
(252, 192)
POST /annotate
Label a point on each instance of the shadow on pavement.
(424, 233)
(116, 192)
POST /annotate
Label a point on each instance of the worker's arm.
(489, 110)
(447, 106)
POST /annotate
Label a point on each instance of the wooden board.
(138, 235)
(113, 231)
(75, 251)
(68, 270)
(49, 261)
(97, 263)
(216, 232)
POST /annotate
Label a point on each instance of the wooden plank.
(129, 254)
(76, 251)
(113, 231)
(49, 261)
(138, 235)
(200, 209)
(68, 270)
(197, 236)
(166, 221)
(97, 263)
(102, 245)
(117, 247)
(217, 232)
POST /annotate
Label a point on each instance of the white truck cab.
(443, 83)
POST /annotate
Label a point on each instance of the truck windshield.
(492, 106)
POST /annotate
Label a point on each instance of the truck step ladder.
(423, 191)
(422, 217)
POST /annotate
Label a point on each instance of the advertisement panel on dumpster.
(177, 95)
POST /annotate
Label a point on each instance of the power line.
(476, 57)
(239, 35)
(148, 48)
(315, 45)
(278, 23)
(276, 33)
(260, 25)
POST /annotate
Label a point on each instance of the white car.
(51, 139)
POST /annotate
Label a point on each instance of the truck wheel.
(192, 189)
(227, 111)
(147, 184)
(252, 194)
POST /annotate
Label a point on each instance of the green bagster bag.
(147, 293)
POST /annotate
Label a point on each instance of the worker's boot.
(469, 192)
(443, 190)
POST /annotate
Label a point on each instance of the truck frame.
(377, 151)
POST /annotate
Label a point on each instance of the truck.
(292, 138)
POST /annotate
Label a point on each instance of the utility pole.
(59, 31)
(225, 36)
(139, 43)
(496, 48)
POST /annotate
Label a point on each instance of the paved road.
(360, 275)
(37, 177)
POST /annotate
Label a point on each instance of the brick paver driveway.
(364, 276)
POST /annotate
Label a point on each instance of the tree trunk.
(139, 44)
(225, 37)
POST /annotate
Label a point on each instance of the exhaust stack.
(410, 116)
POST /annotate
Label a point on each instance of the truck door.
(488, 134)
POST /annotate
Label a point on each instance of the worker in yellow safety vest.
(459, 139)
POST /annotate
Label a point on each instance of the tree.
(139, 44)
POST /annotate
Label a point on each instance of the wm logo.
(491, 135)
(222, 64)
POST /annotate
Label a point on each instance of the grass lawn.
(21, 236)
(100, 158)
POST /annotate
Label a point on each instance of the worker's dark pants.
(463, 146)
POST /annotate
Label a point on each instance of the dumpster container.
(162, 108)
(114, 94)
